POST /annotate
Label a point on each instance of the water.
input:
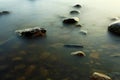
(47, 58)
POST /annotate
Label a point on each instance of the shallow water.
(47, 58)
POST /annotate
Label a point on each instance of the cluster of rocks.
(4, 12)
(35, 32)
(73, 20)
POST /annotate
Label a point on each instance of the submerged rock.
(73, 46)
(71, 20)
(114, 18)
(78, 53)
(115, 55)
(32, 32)
(99, 76)
(4, 12)
(78, 25)
(74, 12)
(77, 6)
(114, 28)
(83, 32)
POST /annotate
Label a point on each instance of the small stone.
(74, 12)
(78, 53)
(73, 46)
(114, 19)
(83, 32)
(77, 6)
(71, 20)
(99, 76)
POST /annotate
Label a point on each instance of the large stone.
(31, 32)
(114, 28)
(99, 76)
(71, 20)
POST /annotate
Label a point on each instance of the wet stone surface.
(74, 12)
(114, 28)
(71, 20)
(77, 6)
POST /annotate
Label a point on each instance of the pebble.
(78, 53)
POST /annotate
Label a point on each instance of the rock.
(114, 19)
(73, 46)
(74, 12)
(83, 32)
(114, 28)
(32, 32)
(71, 20)
(99, 76)
(78, 53)
(115, 55)
(4, 12)
(0, 12)
(78, 25)
(77, 6)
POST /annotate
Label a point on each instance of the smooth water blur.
(47, 58)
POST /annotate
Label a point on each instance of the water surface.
(47, 58)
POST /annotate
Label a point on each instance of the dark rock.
(5, 12)
(114, 28)
(73, 46)
(0, 12)
(74, 12)
(72, 20)
(78, 53)
(114, 19)
(32, 32)
(77, 6)
(99, 76)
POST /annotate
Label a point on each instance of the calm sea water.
(47, 58)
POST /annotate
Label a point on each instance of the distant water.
(47, 58)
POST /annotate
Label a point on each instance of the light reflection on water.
(47, 58)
